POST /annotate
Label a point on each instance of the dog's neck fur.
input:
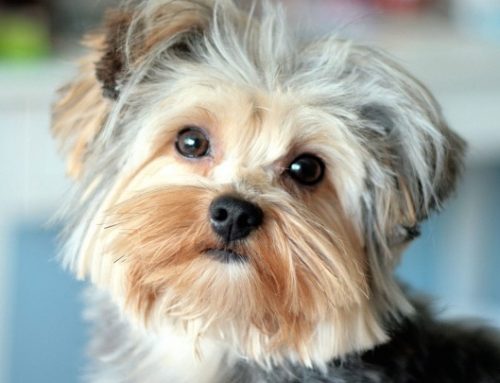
(123, 353)
(421, 349)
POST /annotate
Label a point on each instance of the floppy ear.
(417, 158)
(85, 103)
(413, 162)
(127, 39)
(454, 155)
(81, 110)
(424, 179)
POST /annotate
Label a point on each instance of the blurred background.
(453, 46)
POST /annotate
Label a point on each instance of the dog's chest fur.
(122, 353)
(421, 350)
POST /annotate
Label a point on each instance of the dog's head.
(243, 185)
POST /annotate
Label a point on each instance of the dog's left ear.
(453, 158)
(128, 39)
(417, 157)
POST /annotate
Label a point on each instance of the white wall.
(31, 174)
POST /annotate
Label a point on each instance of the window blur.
(453, 46)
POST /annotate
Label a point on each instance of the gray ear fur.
(408, 206)
(110, 69)
(454, 155)
(378, 115)
(128, 39)
(386, 143)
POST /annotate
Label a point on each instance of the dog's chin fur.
(313, 283)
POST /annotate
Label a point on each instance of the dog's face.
(245, 187)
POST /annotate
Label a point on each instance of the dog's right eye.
(307, 169)
(192, 142)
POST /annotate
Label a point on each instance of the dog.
(241, 198)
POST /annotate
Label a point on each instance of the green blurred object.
(23, 38)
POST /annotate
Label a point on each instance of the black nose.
(233, 218)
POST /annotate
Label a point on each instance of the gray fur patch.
(378, 114)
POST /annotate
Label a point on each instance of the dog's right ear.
(129, 37)
(81, 109)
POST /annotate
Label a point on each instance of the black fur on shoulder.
(422, 349)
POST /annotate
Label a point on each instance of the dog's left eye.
(192, 142)
(307, 169)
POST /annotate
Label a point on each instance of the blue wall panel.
(47, 330)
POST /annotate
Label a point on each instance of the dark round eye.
(307, 169)
(192, 142)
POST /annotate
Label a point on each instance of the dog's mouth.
(224, 255)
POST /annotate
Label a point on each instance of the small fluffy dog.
(242, 198)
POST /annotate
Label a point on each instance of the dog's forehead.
(255, 126)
